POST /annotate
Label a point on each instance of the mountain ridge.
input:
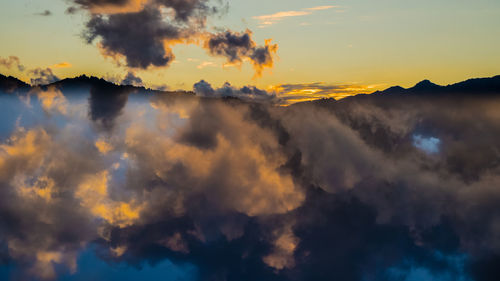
(487, 86)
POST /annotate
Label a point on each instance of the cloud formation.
(131, 79)
(12, 61)
(62, 65)
(237, 47)
(106, 103)
(138, 36)
(141, 34)
(246, 190)
(247, 93)
(271, 19)
(42, 76)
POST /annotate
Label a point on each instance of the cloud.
(206, 64)
(245, 190)
(71, 10)
(52, 100)
(139, 37)
(285, 94)
(42, 76)
(93, 195)
(109, 6)
(234, 46)
(106, 103)
(267, 20)
(32, 183)
(12, 61)
(237, 47)
(103, 146)
(247, 93)
(271, 19)
(62, 65)
(144, 37)
(39, 75)
(321, 8)
(45, 13)
(141, 34)
(131, 79)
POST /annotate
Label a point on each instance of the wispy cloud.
(267, 20)
(10, 62)
(320, 8)
(62, 65)
(206, 64)
(273, 18)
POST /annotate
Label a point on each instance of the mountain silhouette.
(9, 83)
(478, 87)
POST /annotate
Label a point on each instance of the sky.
(368, 44)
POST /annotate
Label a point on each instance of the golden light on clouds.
(130, 7)
(44, 188)
(53, 101)
(284, 247)
(206, 64)
(93, 193)
(270, 19)
(268, 62)
(44, 259)
(103, 146)
(25, 144)
(62, 65)
(257, 186)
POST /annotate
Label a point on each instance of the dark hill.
(9, 83)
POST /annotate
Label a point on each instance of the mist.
(227, 184)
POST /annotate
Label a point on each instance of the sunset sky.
(368, 44)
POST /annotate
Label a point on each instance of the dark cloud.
(247, 93)
(38, 214)
(234, 46)
(263, 56)
(131, 79)
(239, 46)
(106, 103)
(144, 37)
(45, 13)
(12, 61)
(141, 33)
(138, 36)
(71, 10)
(361, 248)
(41, 76)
